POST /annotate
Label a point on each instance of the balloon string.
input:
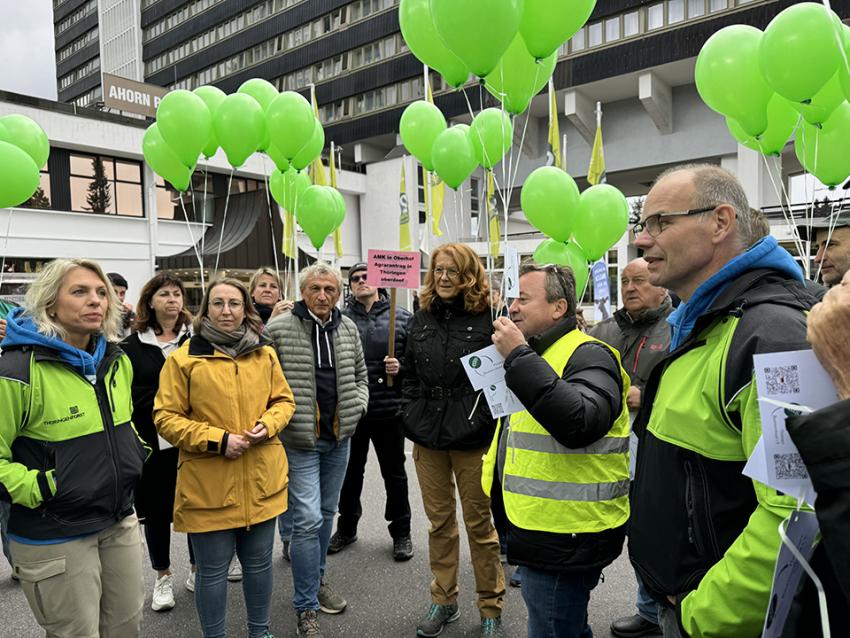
(271, 220)
(223, 222)
(6, 244)
(194, 243)
(798, 242)
(833, 217)
(204, 210)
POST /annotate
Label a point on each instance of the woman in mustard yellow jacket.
(222, 401)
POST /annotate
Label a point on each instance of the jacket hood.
(767, 254)
(22, 331)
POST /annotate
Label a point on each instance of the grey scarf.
(234, 343)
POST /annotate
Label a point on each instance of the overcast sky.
(27, 58)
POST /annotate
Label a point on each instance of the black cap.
(117, 280)
(360, 265)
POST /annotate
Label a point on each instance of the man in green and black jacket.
(703, 537)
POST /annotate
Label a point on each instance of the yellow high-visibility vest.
(549, 487)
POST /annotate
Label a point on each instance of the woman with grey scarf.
(222, 401)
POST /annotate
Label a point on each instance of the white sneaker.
(234, 574)
(190, 582)
(163, 593)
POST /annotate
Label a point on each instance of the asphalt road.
(385, 599)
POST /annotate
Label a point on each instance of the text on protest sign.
(393, 269)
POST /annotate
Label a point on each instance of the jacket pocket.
(85, 481)
(701, 532)
(268, 469)
(205, 483)
(43, 582)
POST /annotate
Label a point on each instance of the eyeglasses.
(655, 226)
(451, 273)
(233, 304)
(356, 279)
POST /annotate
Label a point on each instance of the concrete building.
(635, 57)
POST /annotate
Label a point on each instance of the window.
(719, 5)
(696, 8)
(577, 43)
(612, 29)
(41, 197)
(631, 24)
(655, 16)
(675, 11)
(105, 185)
(594, 34)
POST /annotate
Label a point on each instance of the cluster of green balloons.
(767, 82)
(581, 227)
(454, 153)
(319, 210)
(255, 118)
(24, 149)
(513, 49)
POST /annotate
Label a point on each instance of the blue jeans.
(557, 602)
(5, 508)
(646, 606)
(213, 552)
(284, 525)
(315, 480)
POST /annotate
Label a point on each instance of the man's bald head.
(636, 291)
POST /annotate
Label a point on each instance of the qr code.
(782, 380)
(496, 408)
(789, 466)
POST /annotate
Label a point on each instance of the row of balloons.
(791, 76)
(24, 149)
(257, 118)
(513, 52)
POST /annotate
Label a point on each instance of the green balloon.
(212, 97)
(185, 123)
(27, 136)
(420, 125)
(287, 187)
(240, 127)
(799, 52)
(547, 24)
(277, 157)
(291, 123)
(831, 163)
(519, 76)
(781, 121)
(317, 213)
(454, 159)
(312, 149)
(265, 93)
(843, 73)
(603, 218)
(729, 80)
(492, 135)
(477, 31)
(163, 160)
(568, 254)
(823, 103)
(340, 207)
(19, 176)
(550, 201)
(420, 34)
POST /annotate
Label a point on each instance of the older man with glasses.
(702, 536)
(562, 464)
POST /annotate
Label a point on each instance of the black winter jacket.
(440, 410)
(374, 327)
(577, 409)
(823, 440)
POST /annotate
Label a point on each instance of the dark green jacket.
(69, 455)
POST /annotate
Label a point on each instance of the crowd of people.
(255, 417)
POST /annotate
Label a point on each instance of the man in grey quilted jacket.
(322, 358)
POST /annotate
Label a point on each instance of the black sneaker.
(634, 627)
(340, 542)
(402, 549)
(436, 619)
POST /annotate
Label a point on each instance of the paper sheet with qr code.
(788, 382)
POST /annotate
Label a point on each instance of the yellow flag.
(493, 215)
(338, 230)
(404, 242)
(596, 170)
(554, 153)
(288, 245)
(438, 196)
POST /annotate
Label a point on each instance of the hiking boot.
(286, 555)
(491, 626)
(163, 593)
(634, 627)
(402, 549)
(329, 601)
(308, 624)
(436, 619)
(340, 542)
(234, 574)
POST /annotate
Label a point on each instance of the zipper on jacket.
(112, 385)
(637, 354)
(689, 506)
(108, 427)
